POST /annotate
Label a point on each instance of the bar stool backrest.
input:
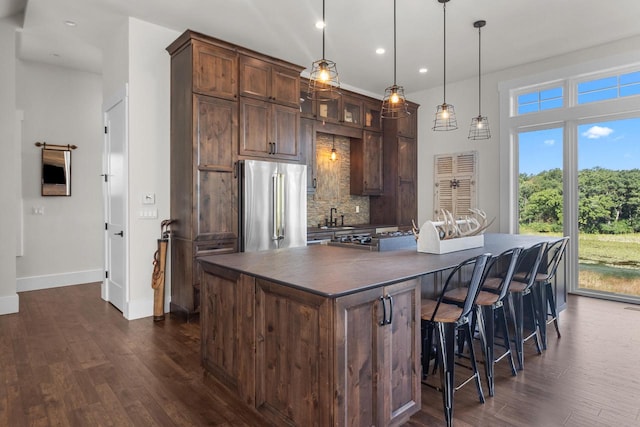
(503, 266)
(528, 264)
(553, 254)
(479, 264)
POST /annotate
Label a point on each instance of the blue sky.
(611, 145)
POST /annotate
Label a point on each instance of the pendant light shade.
(394, 103)
(324, 84)
(334, 154)
(479, 128)
(445, 113)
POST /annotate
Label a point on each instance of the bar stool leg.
(486, 326)
(552, 307)
(505, 336)
(446, 344)
(474, 363)
(515, 304)
(535, 320)
(540, 302)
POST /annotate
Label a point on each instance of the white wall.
(149, 129)
(463, 95)
(9, 302)
(64, 245)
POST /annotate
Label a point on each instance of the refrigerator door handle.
(274, 206)
(281, 204)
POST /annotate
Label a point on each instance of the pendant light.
(324, 84)
(334, 154)
(479, 128)
(394, 103)
(445, 113)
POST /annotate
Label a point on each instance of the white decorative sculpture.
(450, 235)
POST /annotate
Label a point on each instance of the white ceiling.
(517, 32)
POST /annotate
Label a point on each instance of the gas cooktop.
(387, 241)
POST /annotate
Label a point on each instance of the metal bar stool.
(490, 308)
(447, 320)
(546, 273)
(521, 292)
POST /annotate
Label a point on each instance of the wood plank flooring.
(70, 359)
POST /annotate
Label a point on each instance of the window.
(540, 100)
(609, 87)
(587, 188)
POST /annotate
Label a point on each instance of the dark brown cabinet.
(366, 164)
(215, 70)
(269, 130)
(204, 147)
(212, 127)
(377, 339)
(308, 152)
(351, 113)
(270, 82)
(269, 109)
(398, 202)
(304, 359)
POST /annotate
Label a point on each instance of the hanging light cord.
(479, 73)
(394, 42)
(324, 25)
(444, 74)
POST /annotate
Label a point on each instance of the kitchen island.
(322, 335)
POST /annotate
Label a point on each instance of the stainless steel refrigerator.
(273, 205)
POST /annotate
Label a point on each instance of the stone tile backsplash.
(332, 190)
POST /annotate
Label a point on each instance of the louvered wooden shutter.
(455, 178)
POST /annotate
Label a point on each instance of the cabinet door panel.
(215, 70)
(255, 134)
(285, 124)
(227, 339)
(358, 344)
(285, 87)
(255, 78)
(308, 151)
(407, 177)
(292, 355)
(372, 163)
(216, 132)
(400, 373)
(216, 209)
(215, 195)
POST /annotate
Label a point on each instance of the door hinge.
(106, 226)
(106, 274)
(105, 130)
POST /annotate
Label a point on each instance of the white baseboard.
(34, 283)
(9, 304)
(143, 308)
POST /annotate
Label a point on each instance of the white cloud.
(596, 132)
(549, 142)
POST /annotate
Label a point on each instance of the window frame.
(569, 117)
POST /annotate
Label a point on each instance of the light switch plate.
(149, 199)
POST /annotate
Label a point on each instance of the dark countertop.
(335, 271)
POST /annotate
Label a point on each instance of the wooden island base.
(323, 336)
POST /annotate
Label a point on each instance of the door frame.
(121, 95)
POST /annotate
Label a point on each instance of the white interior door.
(115, 287)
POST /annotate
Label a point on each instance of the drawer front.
(215, 247)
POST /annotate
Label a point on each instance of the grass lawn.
(608, 262)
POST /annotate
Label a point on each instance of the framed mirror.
(56, 172)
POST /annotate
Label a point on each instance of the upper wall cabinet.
(269, 82)
(214, 70)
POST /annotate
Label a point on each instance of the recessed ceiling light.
(423, 70)
(320, 25)
(70, 23)
(380, 50)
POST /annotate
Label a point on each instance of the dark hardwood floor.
(70, 359)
